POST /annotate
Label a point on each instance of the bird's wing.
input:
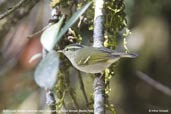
(89, 56)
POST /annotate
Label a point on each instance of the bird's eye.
(66, 49)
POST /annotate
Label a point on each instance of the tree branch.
(9, 11)
(99, 94)
(98, 37)
(164, 89)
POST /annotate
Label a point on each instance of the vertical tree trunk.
(99, 82)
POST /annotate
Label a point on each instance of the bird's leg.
(99, 75)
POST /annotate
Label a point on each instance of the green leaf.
(72, 20)
(48, 38)
(46, 71)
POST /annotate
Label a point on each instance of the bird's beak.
(60, 51)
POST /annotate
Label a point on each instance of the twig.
(166, 90)
(9, 11)
(38, 32)
(83, 88)
(98, 37)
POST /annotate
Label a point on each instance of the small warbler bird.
(92, 59)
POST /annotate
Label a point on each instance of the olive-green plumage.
(91, 59)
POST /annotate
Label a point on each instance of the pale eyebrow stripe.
(73, 47)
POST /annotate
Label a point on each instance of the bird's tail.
(126, 55)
